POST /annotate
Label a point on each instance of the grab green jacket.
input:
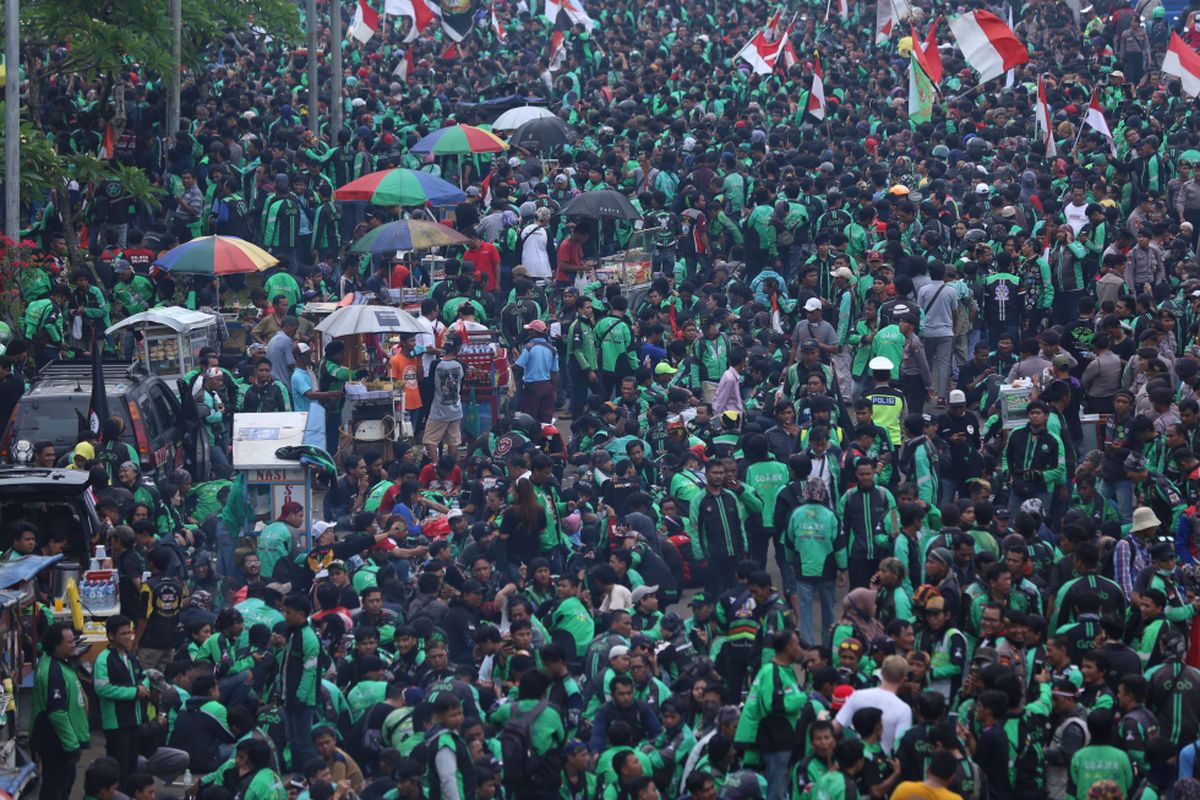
(58, 694)
(615, 337)
(761, 703)
(117, 677)
(814, 542)
(581, 344)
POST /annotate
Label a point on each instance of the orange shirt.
(407, 369)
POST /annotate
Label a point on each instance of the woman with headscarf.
(858, 618)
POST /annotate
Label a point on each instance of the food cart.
(171, 338)
(632, 267)
(272, 481)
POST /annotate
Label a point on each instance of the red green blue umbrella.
(402, 187)
(460, 139)
(408, 234)
(216, 255)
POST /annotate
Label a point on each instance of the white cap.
(957, 397)
(320, 526)
(618, 650)
(982, 188)
(880, 363)
(213, 372)
(303, 348)
(454, 513)
(812, 304)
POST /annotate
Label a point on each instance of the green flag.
(920, 93)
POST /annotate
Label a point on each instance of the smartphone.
(952, 718)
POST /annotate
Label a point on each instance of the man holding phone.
(959, 428)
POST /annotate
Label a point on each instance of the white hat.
(812, 304)
(454, 513)
(303, 348)
(880, 363)
(957, 397)
(320, 526)
(843, 272)
(213, 372)
(982, 188)
(642, 592)
(1144, 518)
(618, 650)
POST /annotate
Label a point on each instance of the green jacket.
(274, 544)
(117, 678)
(44, 315)
(136, 295)
(298, 666)
(1099, 762)
(775, 693)
(58, 694)
(814, 542)
(547, 732)
(767, 478)
(265, 785)
(581, 344)
(615, 337)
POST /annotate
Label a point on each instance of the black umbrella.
(601, 204)
(540, 135)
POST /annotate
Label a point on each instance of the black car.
(158, 425)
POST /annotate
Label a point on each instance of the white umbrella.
(516, 117)
(350, 320)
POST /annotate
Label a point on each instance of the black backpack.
(516, 744)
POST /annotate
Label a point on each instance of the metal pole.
(12, 119)
(335, 92)
(310, 19)
(176, 9)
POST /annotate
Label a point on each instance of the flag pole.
(335, 91)
(314, 94)
(12, 120)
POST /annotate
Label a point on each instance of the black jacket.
(200, 735)
(460, 624)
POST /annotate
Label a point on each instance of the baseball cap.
(700, 599)
(472, 586)
(338, 564)
(937, 603)
(537, 325)
(320, 526)
(957, 398)
(809, 344)
(617, 650)
(812, 304)
(1061, 362)
(664, 368)
(843, 272)
(454, 513)
(303, 348)
(840, 695)
(642, 592)
(473, 191)
(941, 555)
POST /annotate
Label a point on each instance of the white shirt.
(533, 251)
(427, 338)
(896, 713)
(619, 598)
(1076, 216)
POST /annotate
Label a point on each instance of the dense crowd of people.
(885, 486)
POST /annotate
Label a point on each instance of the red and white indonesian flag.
(405, 67)
(497, 28)
(421, 13)
(816, 97)
(888, 15)
(988, 44)
(574, 11)
(932, 61)
(1041, 118)
(558, 54)
(365, 22)
(1184, 63)
(1094, 118)
(761, 54)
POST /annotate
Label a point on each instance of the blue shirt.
(538, 360)
(301, 382)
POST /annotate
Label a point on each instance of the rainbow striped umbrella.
(216, 255)
(401, 187)
(460, 139)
